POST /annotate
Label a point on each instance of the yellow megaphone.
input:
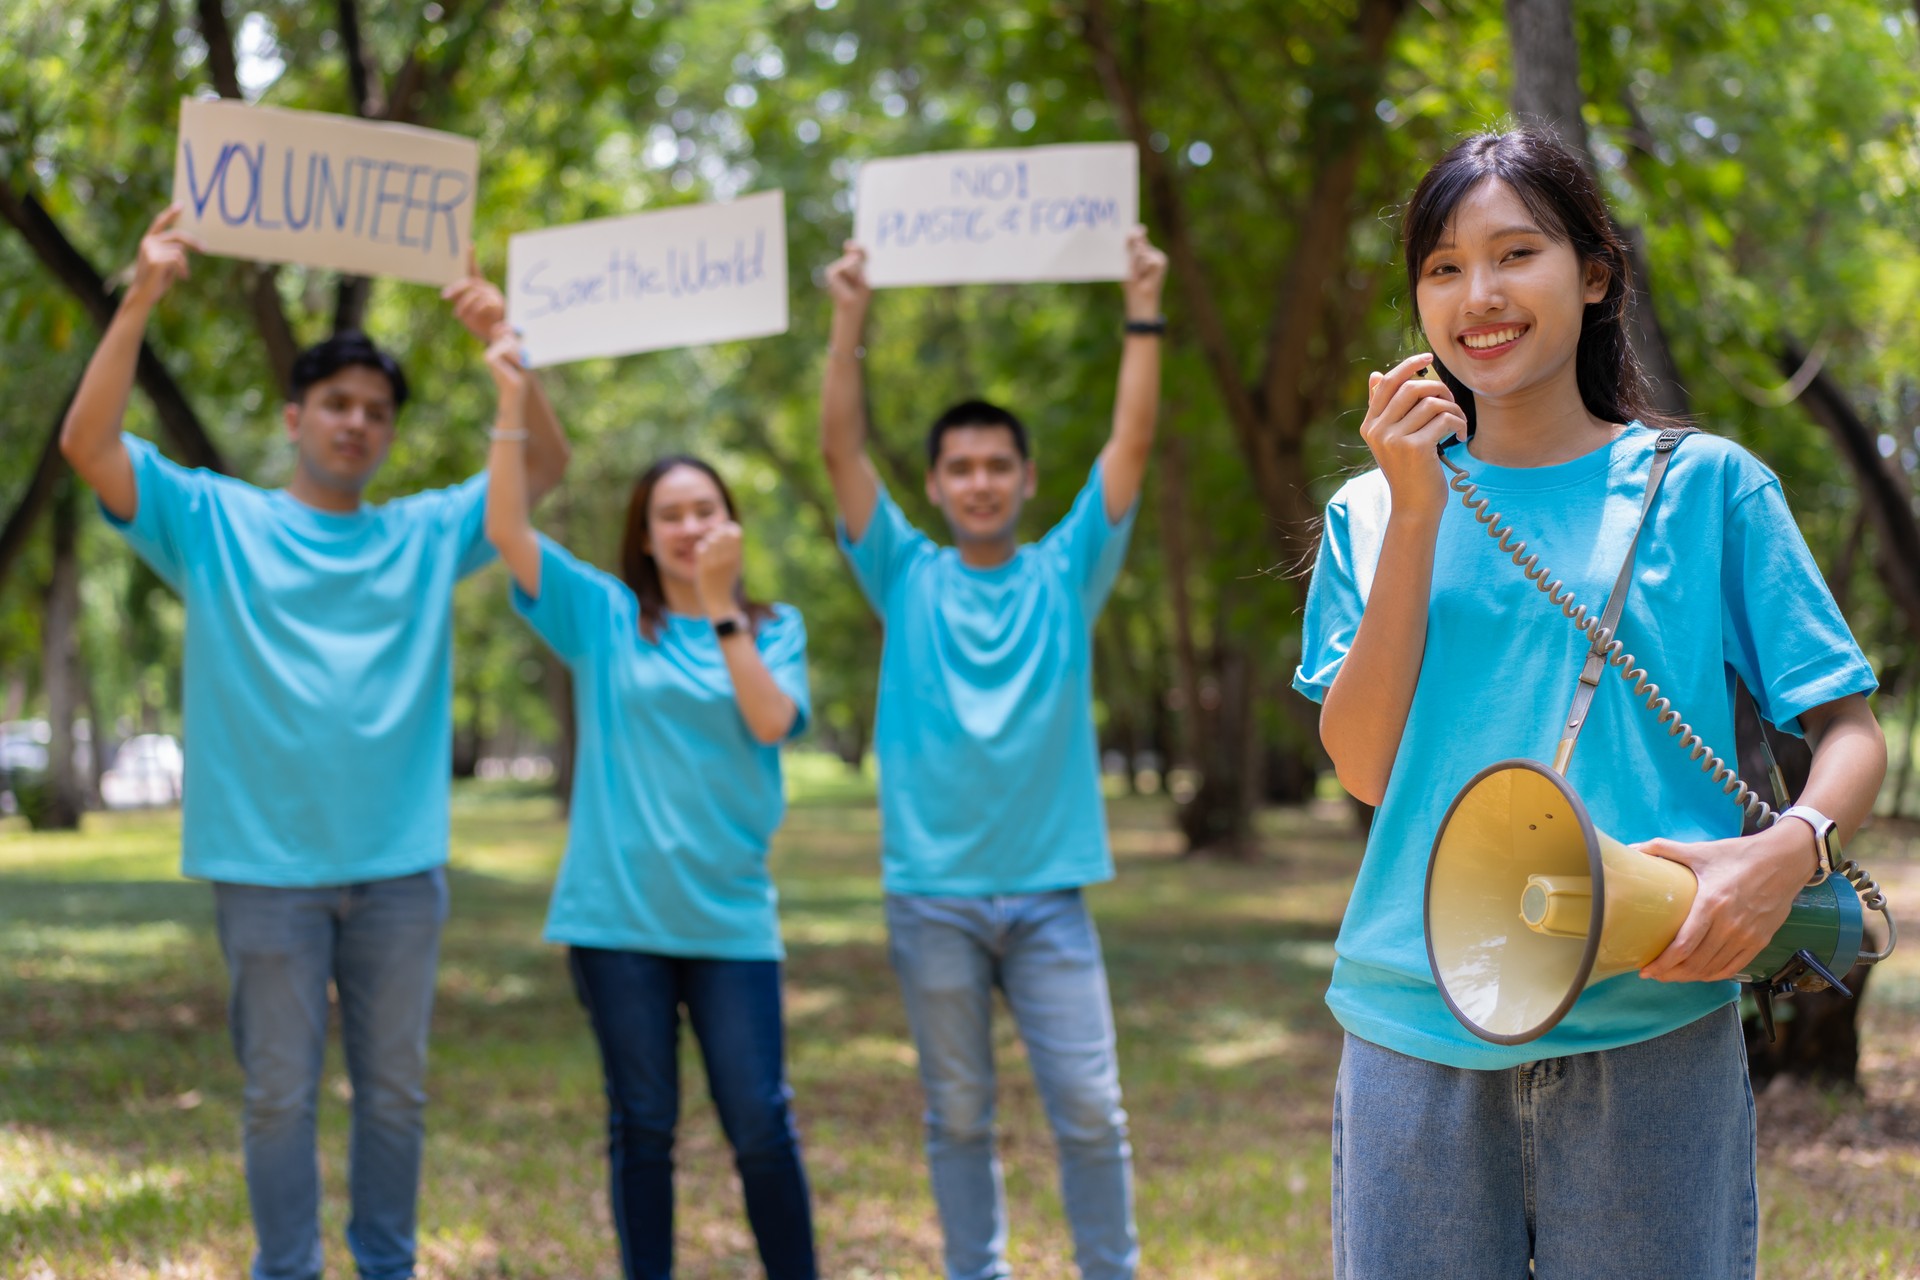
(1528, 904)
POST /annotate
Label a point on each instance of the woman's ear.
(1599, 279)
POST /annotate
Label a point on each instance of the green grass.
(119, 1152)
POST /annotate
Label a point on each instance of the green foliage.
(33, 793)
(1768, 155)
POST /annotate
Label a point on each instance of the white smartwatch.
(1826, 837)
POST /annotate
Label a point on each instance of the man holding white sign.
(319, 695)
(992, 819)
(325, 190)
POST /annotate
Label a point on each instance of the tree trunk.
(1907, 726)
(1546, 69)
(64, 261)
(1818, 1038)
(466, 746)
(1886, 499)
(46, 474)
(1547, 94)
(59, 663)
(97, 736)
(1218, 818)
(559, 683)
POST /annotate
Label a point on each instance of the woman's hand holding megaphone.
(1747, 885)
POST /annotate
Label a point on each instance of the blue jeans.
(379, 944)
(1042, 951)
(633, 1000)
(1637, 1161)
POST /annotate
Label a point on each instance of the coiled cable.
(1606, 643)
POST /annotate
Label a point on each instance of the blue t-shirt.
(674, 801)
(319, 671)
(989, 772)
(1723, 584)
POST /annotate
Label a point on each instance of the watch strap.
(1826, 838)
(728, 626)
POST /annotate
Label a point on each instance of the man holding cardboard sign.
(318, 733)
(992, 819)
(325, 190)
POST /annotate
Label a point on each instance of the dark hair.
(1558, 191)
(324, 359)
(637, 565)
(974, 413)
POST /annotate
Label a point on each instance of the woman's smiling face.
(1500, 299)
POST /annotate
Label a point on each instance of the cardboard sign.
(990, 217)
(676, 278)
(325, 190)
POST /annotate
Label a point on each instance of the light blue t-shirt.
(674, 801)
(319, 671)
(1723, 584)
(989, 772)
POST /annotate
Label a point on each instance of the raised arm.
(843, 398)
(479, 305)
(508, 527)
(1365, 712)
(90, 436)
(765, 706)
(1136, 405)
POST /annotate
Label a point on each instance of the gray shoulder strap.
(1596, 664)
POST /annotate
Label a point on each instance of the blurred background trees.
(1764, 153)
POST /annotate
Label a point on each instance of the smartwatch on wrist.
(1826, 837)
(731, 625)
(1156, 327)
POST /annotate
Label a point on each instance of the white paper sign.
(988, 217)
(676, 278)
(325, 190)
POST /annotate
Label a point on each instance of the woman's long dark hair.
(637, 565)
(1563, 197)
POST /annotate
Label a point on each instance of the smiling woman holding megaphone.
(1543, 1060)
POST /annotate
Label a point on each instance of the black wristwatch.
(1156, 327)
(728, 626)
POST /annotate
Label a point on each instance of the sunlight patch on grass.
(1254, 1044)
(89, 953)
(805, 1002)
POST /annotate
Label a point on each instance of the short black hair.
(324, 359)
(974, 413)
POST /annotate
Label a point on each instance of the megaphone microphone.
(1528, 903)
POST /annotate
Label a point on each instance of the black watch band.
(1156, 327)
(729, 626)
